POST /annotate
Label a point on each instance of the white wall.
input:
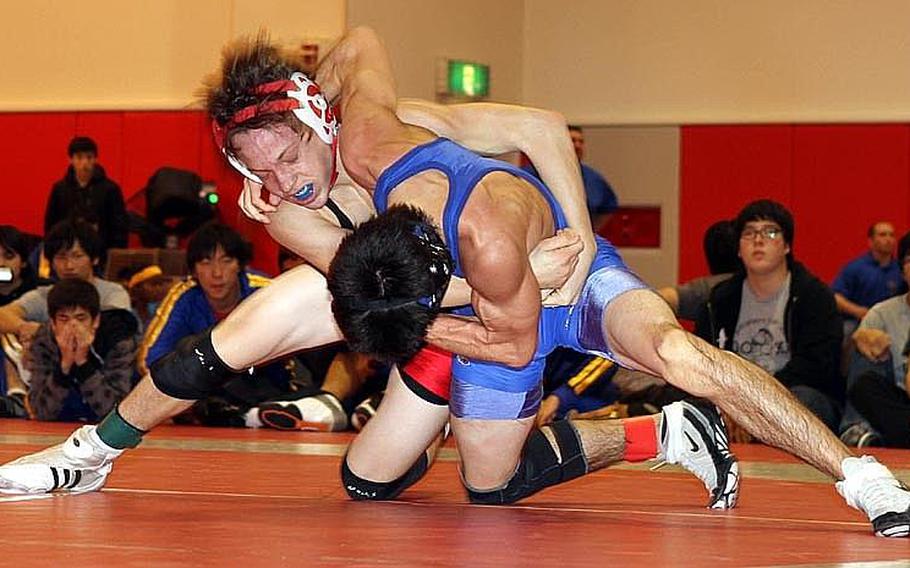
(642, 165)
(418, 33)
(710, 61)
(135, 54)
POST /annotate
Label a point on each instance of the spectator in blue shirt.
(873, 277)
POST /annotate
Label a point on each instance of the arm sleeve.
(816, 345)
(47, 391)
(606, 201)
(841, 283)
(52, 213)
(165, 330)
(119, 221)
(34, 306)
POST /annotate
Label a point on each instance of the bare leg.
(404, 427)
(644, 334)
(490, 449)
(291, 314)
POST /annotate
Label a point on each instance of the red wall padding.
(835, 179)
(132, 145)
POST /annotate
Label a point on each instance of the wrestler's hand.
(554, 259)
(873, 344)
(568, 292)
(252, 203)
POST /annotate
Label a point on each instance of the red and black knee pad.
(429, 375)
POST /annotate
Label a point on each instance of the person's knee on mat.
(360, 489)
(551, 455)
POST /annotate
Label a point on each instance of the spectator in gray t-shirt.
(74, 250)
(721, 246)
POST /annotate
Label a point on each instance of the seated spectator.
(778, 315)
(16, 274)
(217, 258)
(86, 194)
(74, 250)
(147, 288)
(721, 245)
(81, 360)
(878, 379)
(871, 278)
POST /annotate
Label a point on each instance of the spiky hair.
(247, 62)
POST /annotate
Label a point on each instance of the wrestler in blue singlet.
(485, 390)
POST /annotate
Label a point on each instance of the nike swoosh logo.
(695, 447)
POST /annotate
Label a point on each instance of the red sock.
(641, 438)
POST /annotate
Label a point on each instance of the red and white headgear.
(304, 99)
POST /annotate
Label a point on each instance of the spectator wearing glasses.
(776, 314)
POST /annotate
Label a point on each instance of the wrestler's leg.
(267, 325)
(490, 450)
(644, 335)
(396, 446)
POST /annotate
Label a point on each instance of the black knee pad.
(192, 370)
(540, 466)
(360, 489)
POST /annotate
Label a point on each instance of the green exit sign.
(468, 79)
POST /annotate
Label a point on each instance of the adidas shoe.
(692, 434)
(322, 412)
(78, 465)
(872, 488)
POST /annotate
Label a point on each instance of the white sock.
(252, 418)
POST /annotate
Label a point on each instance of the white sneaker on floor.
(692, 434)
(872, 488)
(78, 465)
(322, 412)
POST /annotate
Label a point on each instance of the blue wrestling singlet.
(578, 326)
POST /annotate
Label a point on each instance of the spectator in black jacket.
(778, 315)
(87, 193)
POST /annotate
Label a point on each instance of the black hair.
(247, 63)
(903, 248)
(767, 210)
(13, 240)
(73, 293)
(575, 128)
(381, 279)
(66, 234)
(82, 144)
(209, 237)
(721, 244)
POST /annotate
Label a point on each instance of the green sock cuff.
(117, 432)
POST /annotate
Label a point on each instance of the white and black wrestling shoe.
(322, 412)
(872, 488)
(693, 435)
(78, 465)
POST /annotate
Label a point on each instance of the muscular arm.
(490, 128)
(505, 298)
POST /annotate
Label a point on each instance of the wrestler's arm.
(542, 135)
(505, 298)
